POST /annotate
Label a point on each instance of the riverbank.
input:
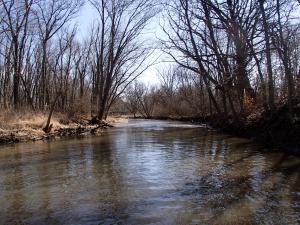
(274, 130)
(20, 127)
(270, 129)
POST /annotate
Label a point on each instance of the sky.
(88, 14)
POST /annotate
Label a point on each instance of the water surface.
(148, 172)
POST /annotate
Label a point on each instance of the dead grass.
(33, 122)
(10, 120)
(27, 126)
(24, 127)
(116, 120)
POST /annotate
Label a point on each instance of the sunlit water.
(148, 172)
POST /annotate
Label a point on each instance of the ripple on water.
(148, 172)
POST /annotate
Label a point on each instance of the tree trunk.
(268, 56)
(48, 126)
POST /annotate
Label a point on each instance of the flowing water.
(148, 172)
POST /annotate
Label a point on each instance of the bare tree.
(51, 16)
(120, 55)
(131, 98)
(16, 19)
(282, 43)
(222, 42)
(146, 99)
(268, 54)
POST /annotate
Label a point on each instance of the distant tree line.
(180, 94)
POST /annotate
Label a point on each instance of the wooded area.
(43, 61)
(231, 58)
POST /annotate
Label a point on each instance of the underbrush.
(26, 119)
(23, 120)
(24, 126)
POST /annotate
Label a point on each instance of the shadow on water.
(230, 195)
(149, 172)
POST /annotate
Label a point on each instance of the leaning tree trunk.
(48, 126)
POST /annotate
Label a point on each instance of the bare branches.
(235, 52)
(222, 40)
(120, 54)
